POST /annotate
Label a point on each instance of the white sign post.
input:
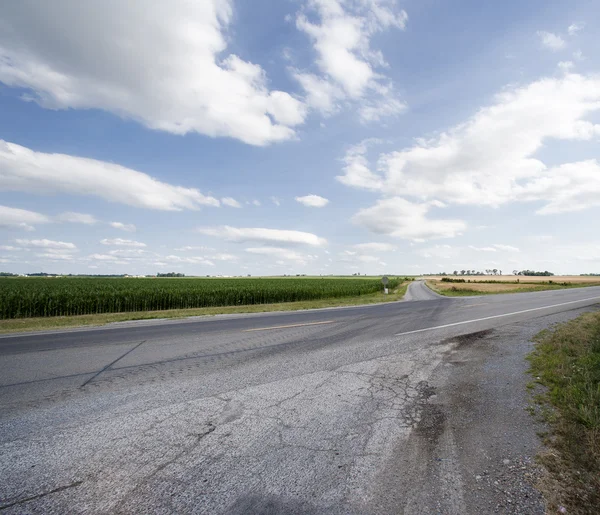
(385, 282)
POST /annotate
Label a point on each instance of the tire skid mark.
(112, 363)
(39, 496)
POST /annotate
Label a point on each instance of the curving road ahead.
(408, 407)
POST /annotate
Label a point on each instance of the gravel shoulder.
(473, 449)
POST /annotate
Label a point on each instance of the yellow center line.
(287, 326)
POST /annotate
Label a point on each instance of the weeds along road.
(410, 407)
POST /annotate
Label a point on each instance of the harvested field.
(509, 284)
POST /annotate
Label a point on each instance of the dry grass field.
(509, 284)
(579, 279)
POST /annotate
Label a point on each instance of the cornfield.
(63, 296)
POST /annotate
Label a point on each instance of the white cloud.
(375, 247)
(22, 169)
(276, 201)
(281, 253)
(77, 218)
(102, 257)
(163, 65)
(568, 187)
(578, 54)
(128, 253)
(122, 243)
(341, 38)
(574, 28)
(224, 257)
(370, 259)
(10, 248)
(312, 201)
(566, 66)
(123, 227)
(13, 218)
(229, 233)
(482, 249)
(506, 248)
(320, 93)
(356, 168)
(439, 252)
(256, 202)
(56, 256)
(47, 244)
(490, 159)
(231, 202)
(403, 219)
(187, 248)
(373, 111)
(196, 260)
(551, 41)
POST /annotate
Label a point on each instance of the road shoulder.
(473, 450)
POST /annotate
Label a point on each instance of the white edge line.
(495, 316)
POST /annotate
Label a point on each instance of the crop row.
(46, 297)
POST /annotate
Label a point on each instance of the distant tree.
(495, 270)
(545, 273)
(455, 272)
(462, 272)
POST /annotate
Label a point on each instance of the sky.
(220, 137)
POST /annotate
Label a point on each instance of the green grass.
(566, 361)
(48, 323)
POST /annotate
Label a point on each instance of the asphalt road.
(408, 407)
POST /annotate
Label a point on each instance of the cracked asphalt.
(411, 407)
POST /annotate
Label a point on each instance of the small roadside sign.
(385, 280)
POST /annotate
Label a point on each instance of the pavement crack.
(112, 363)
(187, 449)
(211, 427)
(39, 496)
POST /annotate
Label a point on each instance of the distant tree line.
(170, 274)
(496, 271)
(490, 271)
(533, 273)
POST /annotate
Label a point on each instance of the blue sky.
(304, 136)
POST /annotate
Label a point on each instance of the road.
(407, 407)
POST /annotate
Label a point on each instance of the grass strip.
(48, 323)
(566, 361)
